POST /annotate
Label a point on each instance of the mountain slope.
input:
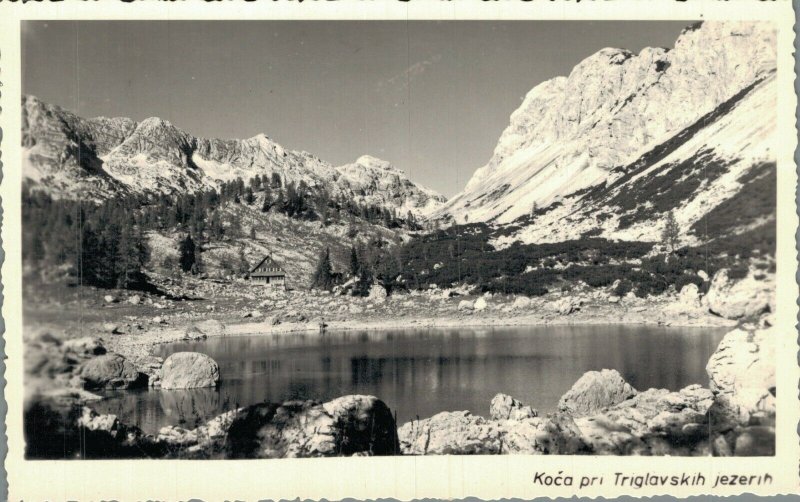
(625, 138)
(95, 158)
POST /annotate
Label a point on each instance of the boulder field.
(601, 414)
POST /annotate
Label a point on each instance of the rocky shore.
(600, 414)
(131, 324)
(110, 345)
(603, 415)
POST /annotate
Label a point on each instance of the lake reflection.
(422, 372)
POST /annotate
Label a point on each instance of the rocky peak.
(371, 162)
(614, 105)
(102, 155)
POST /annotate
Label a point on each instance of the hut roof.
(273, 268)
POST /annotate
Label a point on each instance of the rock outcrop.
(624, 138)
(737, 299)
(654, 422)
(742, 375)
(595, 391)
(189, 370)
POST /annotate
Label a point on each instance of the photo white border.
(404, 478)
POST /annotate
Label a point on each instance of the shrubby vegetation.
(463, 255)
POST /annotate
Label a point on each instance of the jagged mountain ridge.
(711, 99)
(70, 156)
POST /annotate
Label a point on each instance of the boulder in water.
(111, 371)
(189, 370)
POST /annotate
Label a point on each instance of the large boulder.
(737, 299)
(742, 377)
(377, 293)
(480, 304)
(111, 371)
(654, 422)
(461, 433)
(687, 302)
(505, 407)
(189, 370)
(595, 391)
(521, 303)
(689, 296)
(466, 305)
(350, 425)
(555, 435)
(563, 306)
(450, 433)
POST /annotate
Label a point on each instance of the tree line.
(102, 243)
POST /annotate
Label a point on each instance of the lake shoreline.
(144, 344)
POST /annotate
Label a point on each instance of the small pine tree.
(188, 258)
(323, 275)
(354, 264)
(253, 233)
(671, 233)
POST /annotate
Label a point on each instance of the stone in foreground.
(189, 370)
(461, 433)
(349, 425)
(505, 407)
(594, 392)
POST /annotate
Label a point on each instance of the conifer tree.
(354, 264)
(671, 234)
(188, 256)
(323, 275)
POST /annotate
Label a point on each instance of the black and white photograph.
(272, 239)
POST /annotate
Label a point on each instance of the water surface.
(420, 372)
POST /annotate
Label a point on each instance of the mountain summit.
(686, 124)
(70, 156)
